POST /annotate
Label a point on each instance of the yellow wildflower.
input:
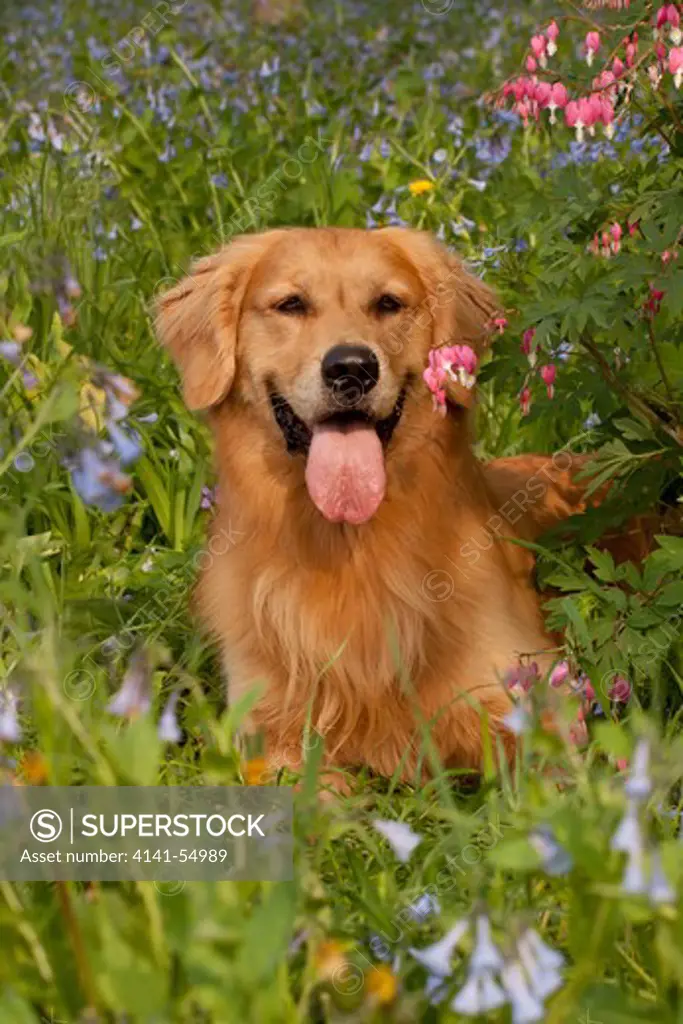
(421, 185)
(330, 959)
(255, 771)
(382, 985)
(22, 333)
(33, 768)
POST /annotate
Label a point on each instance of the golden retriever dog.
(371, 590)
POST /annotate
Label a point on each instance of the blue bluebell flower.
(638, 786)
(437, 957)
(98, 479)
(554, 858)
(400, 837)
(10, 729)
(127, 445)
(526, 1007)
(423, 907)
(135, 694)
(485, 955)
(479, 995)
(168, 730)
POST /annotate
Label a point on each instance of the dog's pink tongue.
(345, 473)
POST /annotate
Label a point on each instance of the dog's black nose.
(350, 371)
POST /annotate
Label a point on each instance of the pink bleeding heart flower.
(571, 116)
(528, 345)
(552, 32)
(457, 363)
(605, 79)
(653, 304)
(525, 400)
(530, 64)
(548, 375)
(543, 93)
(674, 17)
(578, 730)
(579, 115)
(519, 679)
(592, 46)
(500, 323)
(560, 674)
(588, 690)
(620, 690)
(676, 65)
(460, 364)
(435, 378)
(558, 100)
(662, 17)
(618, 67)
(538, 48)
(616, 234)
(607, 116)
(523, 109)
(520, 89)
(593, 111)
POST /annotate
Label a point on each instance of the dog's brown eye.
(388, 304)
(294, 305)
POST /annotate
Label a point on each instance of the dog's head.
(325, 333)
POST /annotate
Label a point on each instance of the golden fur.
(372, 635)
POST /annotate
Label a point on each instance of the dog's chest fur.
(368, 635)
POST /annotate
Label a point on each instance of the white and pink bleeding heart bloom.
(616, 233)
(435, 378)
(538, 48)
(592, 46)
(560, 674)
(580, 114)
(620, 690)
(542, 94)
(588, 112)
(528, 347)
(662, 18)
(552, 32)
(460, 364)
(525, 400)
(632, 50)
(676, 65)
(553, 97)
(668, 16)
(519, 679)
(548, 376)
(457, 363)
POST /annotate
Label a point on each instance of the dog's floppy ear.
(197, 319)
(461, 305)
